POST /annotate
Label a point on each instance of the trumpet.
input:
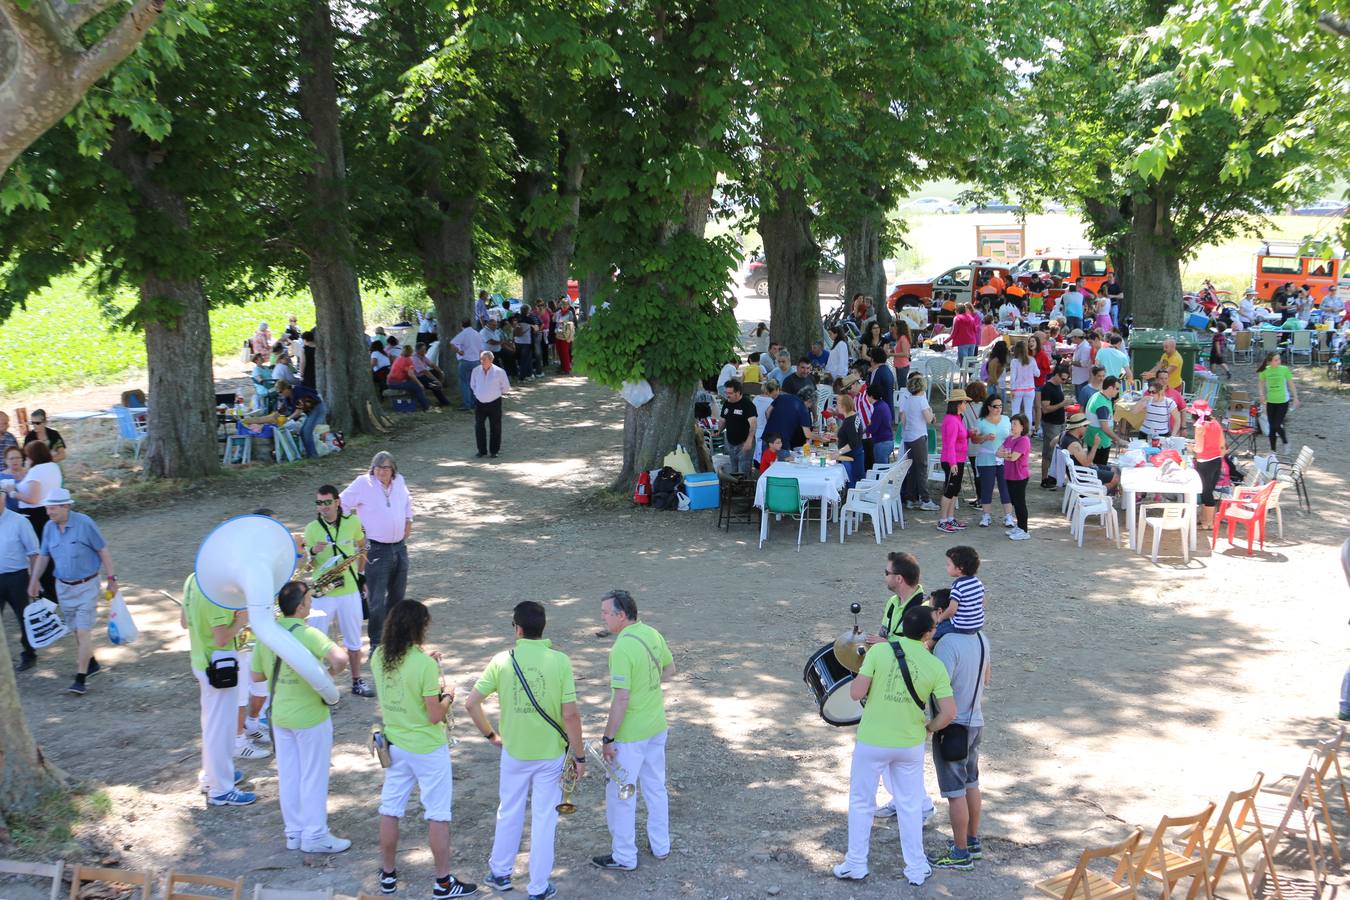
(613, 771)
(569, 781)
(331, 578)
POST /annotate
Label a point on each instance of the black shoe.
(26, 662)
(494, 456)
(479, 455)
(608, 862)
(94, 668)
(77, 687)
(388, 881)
(452, 887)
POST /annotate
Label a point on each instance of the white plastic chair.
(940, 372)
(864, 500)
(1175, 517)
(1077, 480)
(897, 479)
(1100, 506)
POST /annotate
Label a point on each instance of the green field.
(64, 338)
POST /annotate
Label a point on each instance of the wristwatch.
(579, 760)
(606, 740)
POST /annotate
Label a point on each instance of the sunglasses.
(324, 502)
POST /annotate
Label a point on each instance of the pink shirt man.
(385, 512)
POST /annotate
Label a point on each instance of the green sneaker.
(950, 860)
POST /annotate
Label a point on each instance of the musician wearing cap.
(541, 746)
(302, 727)
(74, 546)
(898, 681)
(635, 735)
(333, 539)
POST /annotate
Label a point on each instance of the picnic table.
(1145, 480)
(824, 483)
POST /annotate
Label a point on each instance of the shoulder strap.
(535, 703)
(904, 671)
(644, 646)
(272, 685)
(332, 540)
(979, 674)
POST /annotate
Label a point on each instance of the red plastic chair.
(1247, 509)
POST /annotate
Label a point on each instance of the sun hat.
(1077, 420)
(1200, 409)
(849, 380)
(957, 395)
(1077, 332)
(58, 497)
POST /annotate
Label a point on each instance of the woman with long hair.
(849, 437)
(903, 342)
(1024, 372)
(414, 706)
(872, 336)
(1044, 366)
(990, 433)
(995, 366)
(954, 455)
(837, 365)
(1276, 391)
(976, 394)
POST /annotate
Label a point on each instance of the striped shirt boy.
(968, 595)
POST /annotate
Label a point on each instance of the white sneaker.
(886, 811)
(250, 750)
(1019, 535)
(257, 734)
(928, 815)
(844, 873)
(920, 880)
(986, 520)
(326, 844)
(292, 842)
(929, 506)
(1009, 521)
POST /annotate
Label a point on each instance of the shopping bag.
(42, 623)
(121, 628)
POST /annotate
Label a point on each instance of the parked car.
(1323, 208)
(1279, 262)
(1087, 270)
(956, 280)
(933, 205)
(829, 280)
(996, 207)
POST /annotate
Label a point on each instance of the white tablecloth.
(813, 482)
(1144, 480)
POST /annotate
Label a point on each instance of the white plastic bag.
(43, 623)
(121, 628)
(683, 500)
(637, 392)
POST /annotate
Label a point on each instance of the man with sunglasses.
(331, 538)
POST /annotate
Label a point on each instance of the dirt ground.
(1122, 690)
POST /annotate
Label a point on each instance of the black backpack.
(665, 486)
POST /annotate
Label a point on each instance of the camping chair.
(36, 870)
(1089, 885)
(129, 429)
(783, 497)
(1169, 867)
(1296, 473)
(1301, 346)
(1175, 517)
(1270, 340)
(1239, 430)
(1247, 510)
(868, 498)
(1242, 347)
(81, 874)
(1325, 758)
(233, 887)
(1295, 819)
(1235, 831)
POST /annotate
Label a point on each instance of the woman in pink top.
(955, 451)
(965, 332)
(1015, 454)
(988, 332)
(1024, 371)
(904, 342)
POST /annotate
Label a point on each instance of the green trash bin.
(1146, 349)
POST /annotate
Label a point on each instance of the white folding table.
(825, 483)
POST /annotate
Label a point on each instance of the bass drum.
(829, 681)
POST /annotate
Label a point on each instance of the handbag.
(952, 741)
(379, 746)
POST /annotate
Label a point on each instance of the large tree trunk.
(1154, 276)
(864, 268)
(544, 276)
(653, 429)
(45, 70)
(182, 417)
(181, 439)
(24, 775)
(793, 260)
(343, 371)
(445, 246)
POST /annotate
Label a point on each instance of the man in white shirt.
(489, 384)
(1332, 303)
(729, 371)
(468, 346)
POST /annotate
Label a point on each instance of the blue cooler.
(703, 490)
(1197, 320)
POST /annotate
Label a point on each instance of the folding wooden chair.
(233, 887)
(266, 893)
(80, 875)
(1168, 867)
(1296, 819)
(1083, 882)
(1325, 758)
(36, 870)
(1236, 830)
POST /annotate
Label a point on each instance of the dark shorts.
(951, 481)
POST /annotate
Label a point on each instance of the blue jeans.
(1072, 322)
(386, 583)
(881, 452)
(964, 351)
(1345, 694)
(465, 373)
(316, 417)
(414, 388)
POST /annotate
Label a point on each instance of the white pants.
(247, 686)
(429, 772)
(925, 808)
(644, 764)
(905, 765)
(539, 778)
(1025, 403)
(303, 758)
(219, 715)
(346, 610)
